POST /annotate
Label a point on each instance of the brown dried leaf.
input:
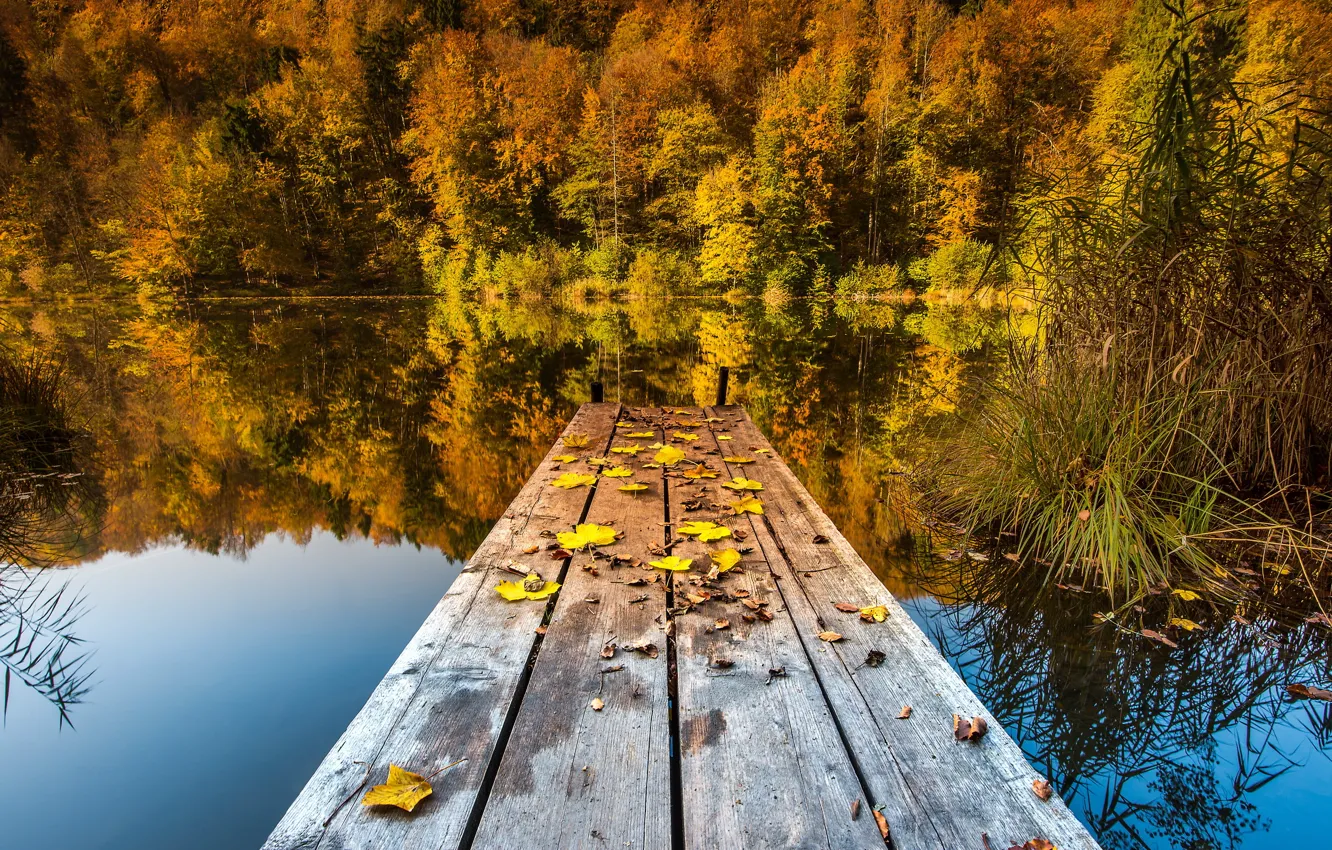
(847, 607)
(722, 624)
(855, 808)
(1042, 788)
(820, 538)
(1309, 692)
(830, 637)
(906, 712)
(882, 822)
(598, 704)
(874, 658)
(608, 651)
(531, 550)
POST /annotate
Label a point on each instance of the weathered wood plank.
(448, 695)
(572, 775)
(955, 791)
(762, 761)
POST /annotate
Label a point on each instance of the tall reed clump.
(1180, 394)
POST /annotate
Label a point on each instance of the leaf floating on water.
(668, 456)
(724, 559)
(738, 459)
(617, 472)
(1186, 595)
(874, 614)
(1159, 638)
(1042, 788)
(743, 484)
(633, 488)
(586, 534)
(1309, 692)
(830, 637)
(672, 563)
(570, 480)
(532, 587)
(747, 505)
(1186, 625)
(704, 531)
(404, 789)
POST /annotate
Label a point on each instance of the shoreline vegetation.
(1145, 183)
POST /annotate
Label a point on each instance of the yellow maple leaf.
(1186, 595)
(641, 435)
(564, 458)
(586, 534)
(700, 472)
(669, 456)
(570, 480)
(633, 488)
(738, 459)
(743, 484)
(628, 450)
(617, 472)
(705, 531)
(598, 461)
(723, 437)
(670, 562)
(532, 587)
(725, 559)
(1186, 625)
(747, 505)
(680, 435)
(404, 789)
(575, 441)
(875, 613)
(762, 451)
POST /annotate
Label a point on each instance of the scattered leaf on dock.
(404, 789)
(830, 637)
(904, 713)
(570, 480)
(671, 562)
(1042, 788)
(724, 559)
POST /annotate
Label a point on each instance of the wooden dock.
(646, 708)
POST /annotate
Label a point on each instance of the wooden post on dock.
(722, 379)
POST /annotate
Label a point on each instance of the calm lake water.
(283, 489)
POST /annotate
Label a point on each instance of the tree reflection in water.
(1151, 746)
(48, 506)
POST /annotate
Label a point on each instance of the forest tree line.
(177, 145)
